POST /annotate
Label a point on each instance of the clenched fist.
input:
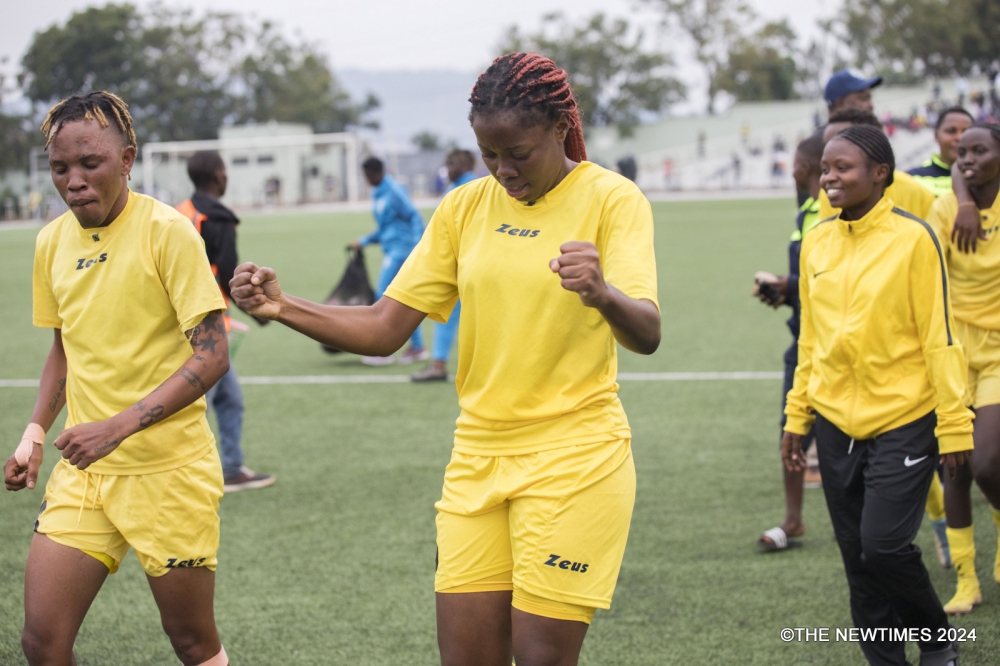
(579, 266)
(256, 291)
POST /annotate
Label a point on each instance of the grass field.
(334, 564)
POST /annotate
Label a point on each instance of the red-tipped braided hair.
(533, 83)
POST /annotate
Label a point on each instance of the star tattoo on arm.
(202, 336)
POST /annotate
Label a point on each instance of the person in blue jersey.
(398, 228)
(935, 173)
(784, 290)
(461, 166)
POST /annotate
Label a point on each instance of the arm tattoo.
(55, 399)
(106, 445)
(151, 417)
(203, 336)
(192, 378)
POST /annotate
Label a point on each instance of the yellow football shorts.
(171, 518)
(549, 526)
(982, 355)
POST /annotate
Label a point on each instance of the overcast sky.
(387, 34)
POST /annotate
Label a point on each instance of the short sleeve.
(428, 280)
(625, 244)
(44, 307)
(185, 273)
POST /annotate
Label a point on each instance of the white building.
(270, 164)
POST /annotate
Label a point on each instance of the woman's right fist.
(256, 291)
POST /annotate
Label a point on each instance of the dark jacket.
(219, 231)
(804, 222)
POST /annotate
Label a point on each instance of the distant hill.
(414, 101)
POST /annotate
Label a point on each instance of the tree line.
(616, 75)
(185, 75)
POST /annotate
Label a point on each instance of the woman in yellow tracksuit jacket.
(883, 378)
(975, 278)
(903, 189)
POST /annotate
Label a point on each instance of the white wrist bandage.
(33, 434)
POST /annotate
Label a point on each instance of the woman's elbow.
(650, 345)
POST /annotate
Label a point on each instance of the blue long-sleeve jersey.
(398, 224)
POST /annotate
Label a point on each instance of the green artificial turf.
(334, 564)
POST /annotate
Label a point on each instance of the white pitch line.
(328, 379)
(695, 376)
(403, 379)
(18, 383)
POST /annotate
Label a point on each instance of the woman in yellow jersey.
(975, 288)
(881, 376)
(935, 173)
(553, 260)
(138, 338)
(904, 191)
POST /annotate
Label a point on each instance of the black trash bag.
(353, 288)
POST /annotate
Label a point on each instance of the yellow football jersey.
(974, 277)
(123, 295)
(905, 192)
(536, 368)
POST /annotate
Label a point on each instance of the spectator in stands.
(847, 90)
(398, 228)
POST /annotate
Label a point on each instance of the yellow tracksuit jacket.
(876, 349)
(905, 190)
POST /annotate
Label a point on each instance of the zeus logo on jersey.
(555, 561)
(87, 263)
(173, 563)
(506, 229)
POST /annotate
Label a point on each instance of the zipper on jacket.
(852, 243)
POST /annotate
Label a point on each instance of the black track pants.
(875, 491)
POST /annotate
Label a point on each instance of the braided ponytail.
(531, 82)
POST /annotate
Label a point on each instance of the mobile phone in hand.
(769, 292)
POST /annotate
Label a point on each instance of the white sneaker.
(378, 360)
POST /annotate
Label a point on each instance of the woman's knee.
(42, 646)
(192, 644)
(986, 469)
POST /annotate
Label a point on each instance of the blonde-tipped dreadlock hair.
(101, 106)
